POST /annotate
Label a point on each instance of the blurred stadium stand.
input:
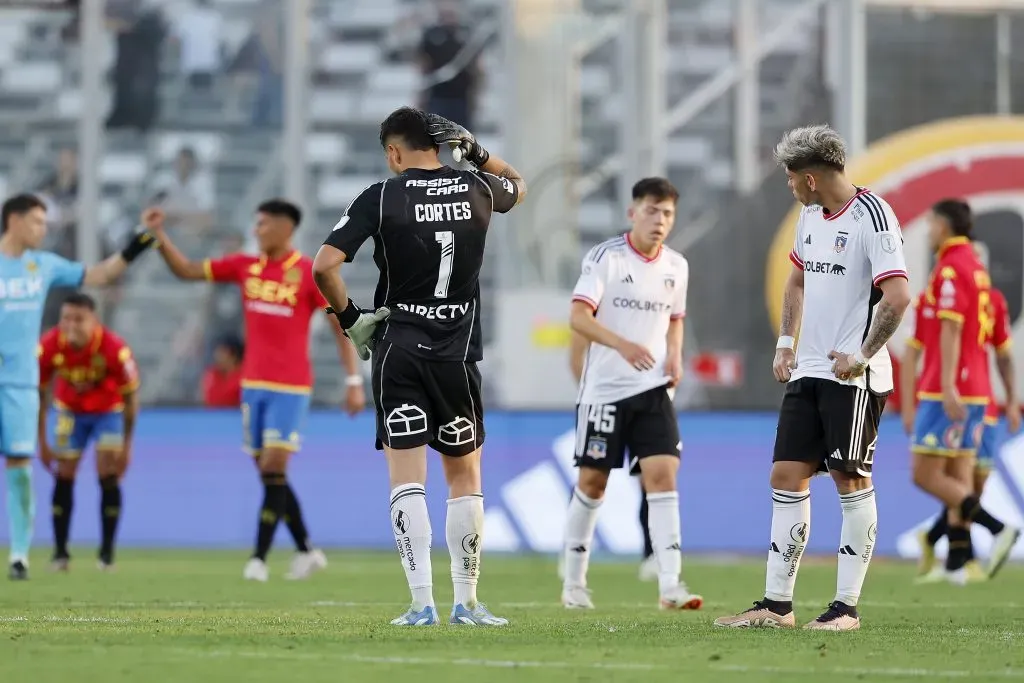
(361, 68)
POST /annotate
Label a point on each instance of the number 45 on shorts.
(602, 417)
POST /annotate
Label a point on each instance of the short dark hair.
(957, 213)
(187, 152)
(234, 346)
(409, 124)
(658, 189)
(281, 207)
(19, 205)
(80, 300)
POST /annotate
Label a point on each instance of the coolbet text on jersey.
(89, 385)
(959, 289)
(838, 253)
(280, 299)
(24, 283)
(637, 297)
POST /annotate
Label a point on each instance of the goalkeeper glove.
(359, 326)
(140, 241)
(460, 140)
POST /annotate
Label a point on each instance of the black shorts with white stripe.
(426, 403)
(641, 426)
(831, 424)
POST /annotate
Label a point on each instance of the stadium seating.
(360, 70)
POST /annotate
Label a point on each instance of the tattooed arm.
(792, 307)
(888, 314)
(495, 165)
(792, 303)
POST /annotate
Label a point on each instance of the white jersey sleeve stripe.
(796, 260)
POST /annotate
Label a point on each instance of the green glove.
(360, 326)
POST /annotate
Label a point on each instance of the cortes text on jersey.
(441, 213)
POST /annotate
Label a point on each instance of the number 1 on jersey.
(446, 238)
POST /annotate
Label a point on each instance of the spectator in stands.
(402, 41)
(261, 57)
(198, 32)
(188, 196)
(60, 192)
(453, 98)
(140, 33)
(269, 106)
(222, 381)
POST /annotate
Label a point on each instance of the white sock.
(663, 523)
(856, 543)
(791, 527)
(579, 535)
(464, 530)
(411, 524)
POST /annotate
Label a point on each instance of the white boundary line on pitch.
(868, 671)
(427, 661)
(552, 604)
(72, 620)
(894, 672)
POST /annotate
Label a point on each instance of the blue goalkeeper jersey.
(24, 283)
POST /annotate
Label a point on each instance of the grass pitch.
(188, 616)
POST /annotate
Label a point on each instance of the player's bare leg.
(273, 463)
(410, 522)
(63, 503)
(856, 547)
(951, 480)
(581, 520)
(791, 528)
(308, 559)
(464, 532)
(109, 469)
(659, 473)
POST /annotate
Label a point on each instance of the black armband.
(139, 243)
(349, 316)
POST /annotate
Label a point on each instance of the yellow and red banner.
(978, 158)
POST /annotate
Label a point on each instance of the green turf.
(188, 616)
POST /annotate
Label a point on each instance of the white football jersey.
(844, 257)
(635, 297)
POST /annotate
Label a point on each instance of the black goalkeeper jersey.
(429, 229)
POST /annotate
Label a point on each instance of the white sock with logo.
(791, 527)
(856, 543)
(579, 536)
(464, 531)
(663, 523)
(411, 524)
